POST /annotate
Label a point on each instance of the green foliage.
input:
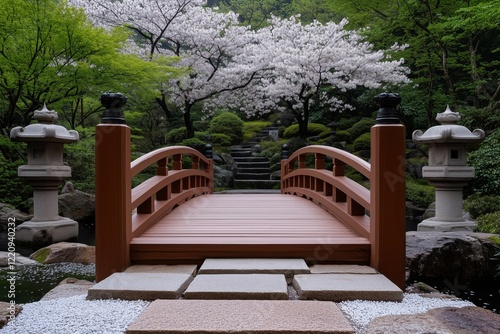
(295, 143)
(362, 142)
(486, 160)
(194, 143)
(313, 129)
(496, 256)
(250, 129)
(221, 139)
(343, 135)
(489, 223)
(80, 156)
(477, 205)
(419, 192)
(360, 127)
(229, 124)
(346, 122)
(176, 135)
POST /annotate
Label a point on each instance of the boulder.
(77, 205)
(8, 312)
(20, 260)
(229, 161)
(456, 256)
(69, 287)
(445, 320)
(65, 252)
(9, 214)
(223, 178)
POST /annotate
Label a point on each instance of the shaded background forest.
(452, 52)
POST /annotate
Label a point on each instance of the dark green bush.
(477, 205)
(201, 125)
(194, 143)
(221, 139)
(175, 136)
(362, 126)
(12, 190)
(346, 123)
(342, 135)
(313, 129)
(252, 128)
(229, 124)
(362, 142)
(296, 143)
(419, 192)
(489, 223)
(486, 161)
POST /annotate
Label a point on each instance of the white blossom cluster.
(285, 65)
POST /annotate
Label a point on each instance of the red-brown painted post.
(388, 193)
(112, 190)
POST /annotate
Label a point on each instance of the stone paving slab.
(145, 286)
(238, 286)
(342, 287)
(287, 267)
(240, 316)
(341, 269)
(189, 269)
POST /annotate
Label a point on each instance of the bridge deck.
(249, 225)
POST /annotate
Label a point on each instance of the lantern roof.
(449, 131)
(45, 130)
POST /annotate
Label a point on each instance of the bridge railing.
(330, 189)
(122, 212)
(160, 194)
(377, 213)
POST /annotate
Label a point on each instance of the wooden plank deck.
(249, 225)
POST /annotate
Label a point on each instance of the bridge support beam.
(388, 193)
(113, 198)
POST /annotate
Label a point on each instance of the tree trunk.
(163, 105)
(188, 122)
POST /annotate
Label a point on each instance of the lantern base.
(43, 233)
(431, 225)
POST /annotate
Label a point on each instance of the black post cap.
(113, 103)
(388, 103)
(208, 151)
(284, 152)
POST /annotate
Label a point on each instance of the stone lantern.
(44, 172)
(447, 170)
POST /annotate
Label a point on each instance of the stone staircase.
(253, 172)
(245, 295)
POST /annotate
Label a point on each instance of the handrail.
(332, 190)
(158, 195)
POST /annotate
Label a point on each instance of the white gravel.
(76, 315)
(360, 313)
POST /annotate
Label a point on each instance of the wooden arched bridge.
(321, 215)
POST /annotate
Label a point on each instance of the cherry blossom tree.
(211, 46)
(307, 64)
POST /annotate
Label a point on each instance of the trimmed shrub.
(194, 143)
(229, 124)
(250, 129)
(176, 135)
(419, 193)
(221, 139)
(362, 142)
(343, 135)
(489, 223)
(477, 205)
(313, 129)
(486, 160)
(362, 126)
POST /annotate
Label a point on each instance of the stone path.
(245, 296)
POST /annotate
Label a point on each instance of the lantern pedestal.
(44, 172)
(448, 171)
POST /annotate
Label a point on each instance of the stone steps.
(240, 316)
(245, 295)
(248, 279)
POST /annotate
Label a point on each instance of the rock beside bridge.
(65, 252)
(445, 320)
(449, 255)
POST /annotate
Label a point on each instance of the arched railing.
(158, 195)
(330, 189)
(122, 212)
